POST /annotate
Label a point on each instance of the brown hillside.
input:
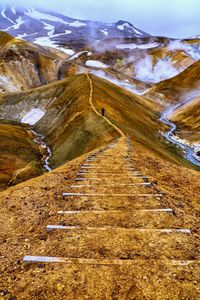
(19, 155)
(188, 120)
(4, 39)
(180, 87)
(24, 65)
(71, 128)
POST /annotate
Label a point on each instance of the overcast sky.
(175, 18)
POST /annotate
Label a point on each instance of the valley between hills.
(99, 161)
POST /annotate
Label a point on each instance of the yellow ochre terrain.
(117, 216)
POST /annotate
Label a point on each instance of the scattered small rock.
(60, 287)
(4, 292)
(42, 237)
(40, 266)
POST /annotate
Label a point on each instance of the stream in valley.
(39, 140)
(189, 153)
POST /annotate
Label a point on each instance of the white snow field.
(77, 55)
(33, 116)
(34, 14)
(135, 46)
(96, 64)
(122, 27)
(104, 31)
(77, 24)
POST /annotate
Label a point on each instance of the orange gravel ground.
(107, 255)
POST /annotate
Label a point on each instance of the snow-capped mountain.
(195, 36)
(50, 28)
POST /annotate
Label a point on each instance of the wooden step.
(111, 203)
(102, 166)
(158, 210)
(119, 175)
(112, 179)
(90, 261)
(104, 180)
(115, 229)
(110, 195)
(111, 189)
(111, 171)
(121, 243)
(113, 185)
(99, 279)
(156, 218)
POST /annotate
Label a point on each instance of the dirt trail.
(111, 224)
(94, 109)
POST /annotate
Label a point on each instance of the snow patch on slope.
(138, 32)
(77, 55)
(135, 46)
(4, 16)
(22, 36)
(33, 116)
(130, 28)
(13, 10)
(5, 81)
(68, 31)
(104, 31)
(46, 42)
(51, 30)
(49, 27)
(67, 51)
(34, 14)
(96, 64)
(19, 22)
(123, 26)
(77, 24)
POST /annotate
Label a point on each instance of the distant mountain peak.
(121, 22)
(48, 28)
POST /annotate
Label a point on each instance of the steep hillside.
(69, 124)
(154, 64)
(68, 118)
(20, 157)
(4, 39)
(24, 65)
(113, 247)
(182, 87)
(72, 128)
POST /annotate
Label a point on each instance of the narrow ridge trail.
(94, 109)
(114, 238)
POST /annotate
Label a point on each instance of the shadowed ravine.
(39, 140)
